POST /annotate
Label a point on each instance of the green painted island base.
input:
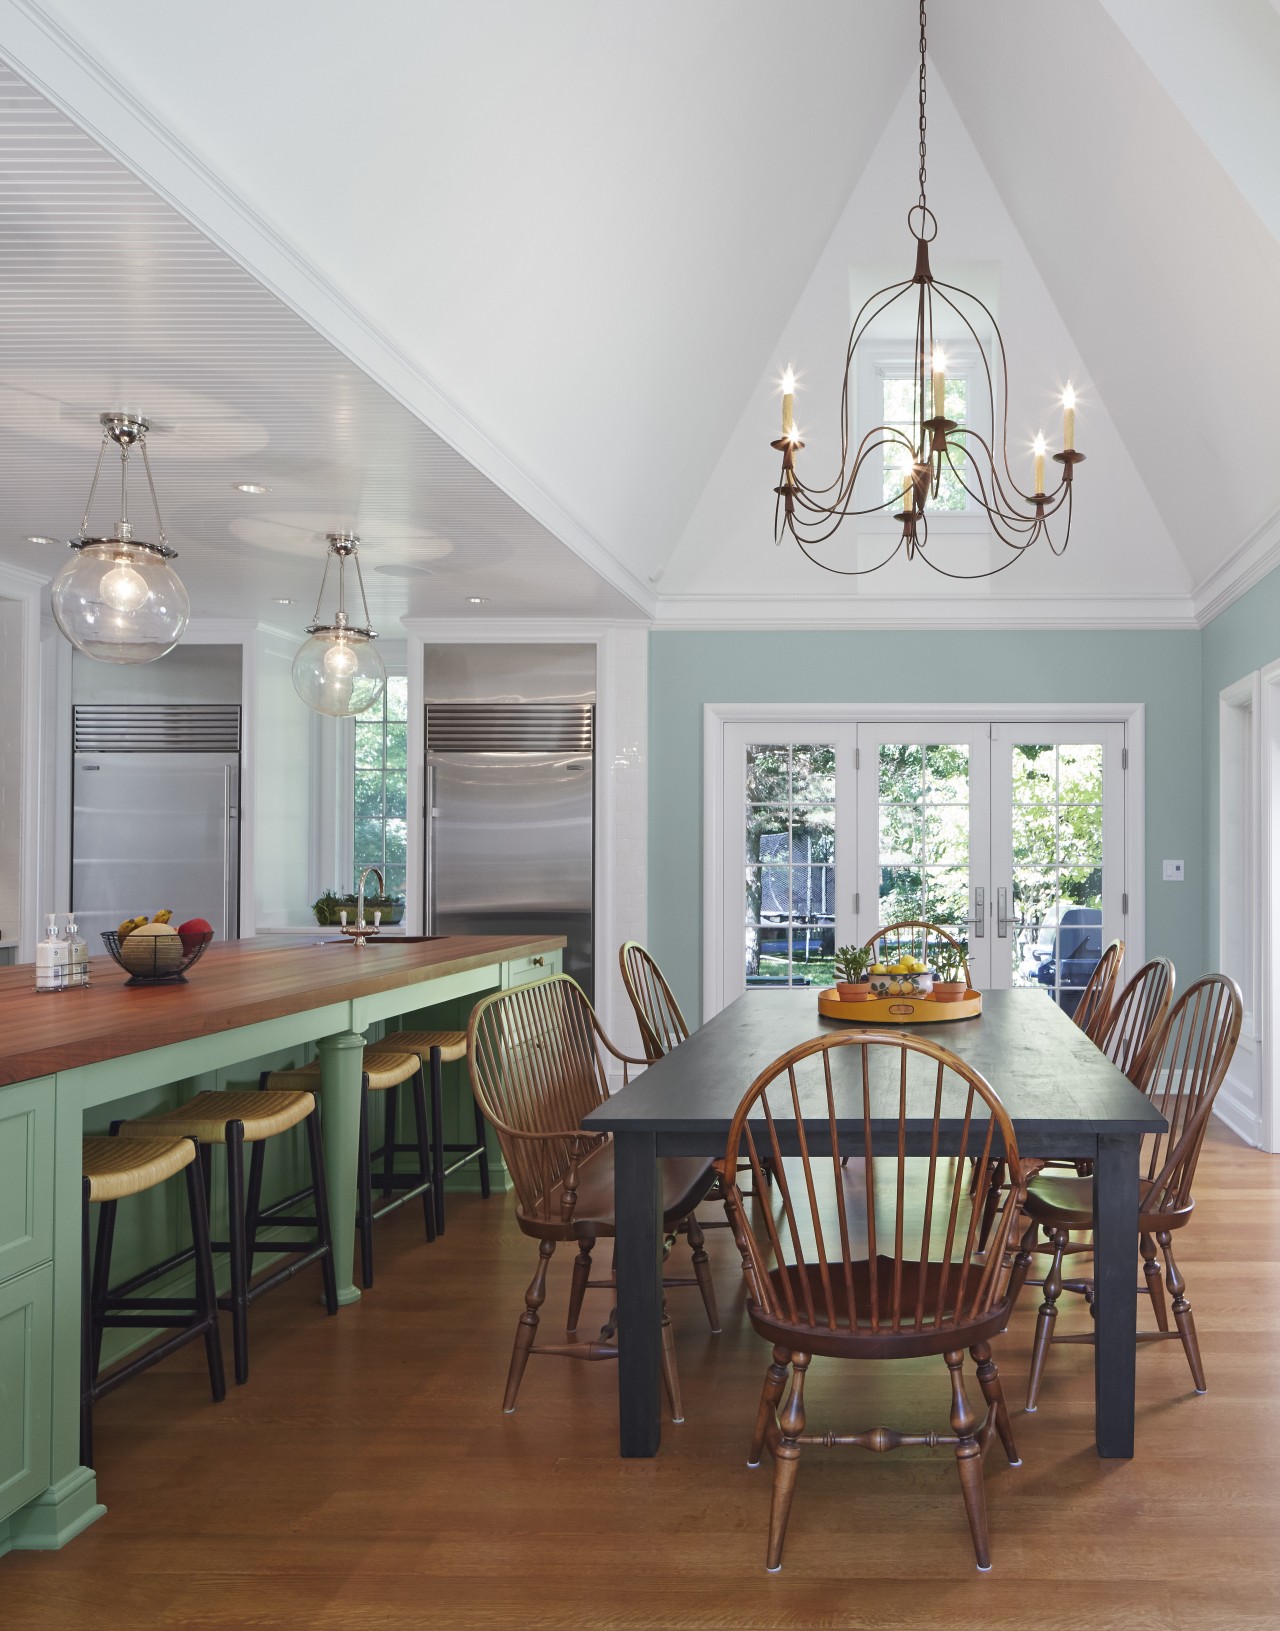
(46, 1496)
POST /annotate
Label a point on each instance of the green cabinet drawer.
(521, 970)
(26, 1384)
(26, 1176)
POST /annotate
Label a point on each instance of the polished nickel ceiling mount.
(927, 442)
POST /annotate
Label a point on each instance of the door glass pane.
(1057, 867)
(924, 833)
(789, 879)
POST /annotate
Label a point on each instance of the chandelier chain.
(923, 120)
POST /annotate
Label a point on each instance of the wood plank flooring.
(365, 1476)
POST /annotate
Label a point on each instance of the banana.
(129, 925)
(162, 916)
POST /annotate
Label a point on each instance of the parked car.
(1072, 953)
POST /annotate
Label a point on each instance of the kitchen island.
(66, 1054)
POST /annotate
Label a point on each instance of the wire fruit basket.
(161, 959)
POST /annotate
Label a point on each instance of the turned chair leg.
(969, 1460)
(1047, 1316)
(993, 1392)
(775, 1380)
(581, 1274)
(527, 1328)
(1022, 1264)
(786, 1462)
(702, 1271)
(1182, 1313)
(1155, 1281)
(670, 1376)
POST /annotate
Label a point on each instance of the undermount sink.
(379, 940)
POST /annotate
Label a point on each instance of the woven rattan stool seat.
(116, 1167)
(452, 1044)
(385, 1067)
(206, 1116)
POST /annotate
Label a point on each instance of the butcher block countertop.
(235, 983)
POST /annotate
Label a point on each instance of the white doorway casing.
(723, 722)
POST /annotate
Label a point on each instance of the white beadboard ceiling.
(109, 299)
(579, 240)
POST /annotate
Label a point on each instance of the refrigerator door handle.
(430, 857)
(228, 811)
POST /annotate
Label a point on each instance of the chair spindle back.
(536, 1070)
(1182, 1072)
(915, 938)
(1137, 1016)
(888, 1244)
(1094, 1008)
(662, 1025)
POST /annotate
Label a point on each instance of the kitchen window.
(380, 761)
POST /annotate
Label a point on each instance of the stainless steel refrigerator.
(156, 801)
(510, 824)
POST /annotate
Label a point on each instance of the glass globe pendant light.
(118, 600)
(337, 671)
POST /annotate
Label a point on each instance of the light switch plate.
(1173, 872)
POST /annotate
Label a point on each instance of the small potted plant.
(950, 985)
(851, 973)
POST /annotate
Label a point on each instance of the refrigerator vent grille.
(510, 727)
(156, 727)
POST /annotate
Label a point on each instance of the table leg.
(1115, 1239)
(639, 1265)
(341, 1067)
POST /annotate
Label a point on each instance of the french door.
(1010, 834)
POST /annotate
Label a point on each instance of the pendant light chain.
(924, 123)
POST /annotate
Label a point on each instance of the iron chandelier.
(933, 442)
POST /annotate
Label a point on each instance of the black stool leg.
(437, 1137)
(86, 1337)
(206, 1292)
(390, 1118)
(239, 1257)
(321, 1197)
(253, 1204)
(425, 1175)
(482, 1160)
(364, 1179)
(101, 1277)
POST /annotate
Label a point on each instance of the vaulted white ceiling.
(578, 240)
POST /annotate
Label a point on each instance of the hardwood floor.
(365, 1476)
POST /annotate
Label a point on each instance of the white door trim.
(801, 716)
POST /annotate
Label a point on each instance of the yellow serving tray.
(899, 1010)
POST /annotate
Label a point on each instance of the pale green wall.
(687, 670)
(1245, 638)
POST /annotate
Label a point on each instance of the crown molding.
(52, 61)
(486, 630)
(1244, 567)
(901, 613)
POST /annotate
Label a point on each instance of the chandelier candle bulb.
(939, 386)
(1039, 451)
(788, 403)
(1068, 420)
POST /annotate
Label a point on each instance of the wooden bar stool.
(114, 1168)
(235, 1119)
(385, 1071)
(437, 1049)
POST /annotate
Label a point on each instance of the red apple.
(193, 932)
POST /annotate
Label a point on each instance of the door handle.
(1003, 920)
(429, 858)
(978, 922)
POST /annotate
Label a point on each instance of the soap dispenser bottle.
(77, 954)
(53, 956)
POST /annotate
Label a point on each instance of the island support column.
(341, 1070)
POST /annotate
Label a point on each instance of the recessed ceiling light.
(282, 602)
(477, 600)
(250, 487)
(39, 538)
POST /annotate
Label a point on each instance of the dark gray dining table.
(1065, 1098)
